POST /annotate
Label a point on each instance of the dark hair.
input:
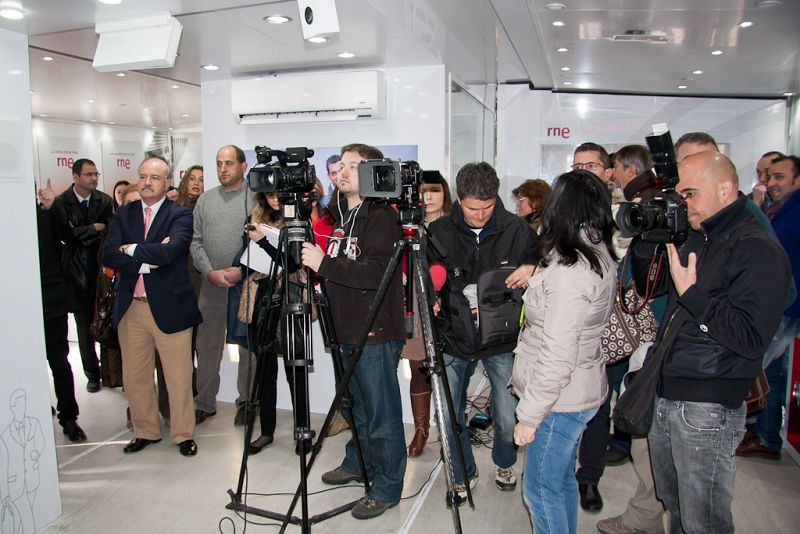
(533, 189)
(795, 163)
(183, 187)
(478, 181)
(447, 204)
(336, 158)
(77, 167)
(365, 151)
(269, 215)
(580, 202)
(700, 138)
(636, 155)
(114, 191)
(605, 159)
(772, 153)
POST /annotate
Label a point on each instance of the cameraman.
(358, 253)
(733, 307)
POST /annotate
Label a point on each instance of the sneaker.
(615, 525)
(505, 479)
(367, 508)
(461, 491)
(339, 476)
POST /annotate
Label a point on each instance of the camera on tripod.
(291, 173)
(662, 216)
(397, 183)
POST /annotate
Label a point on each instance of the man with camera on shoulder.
(357, 255)
(728, 287)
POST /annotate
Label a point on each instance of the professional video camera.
(292, 172)
(661, 216)
(397, 183)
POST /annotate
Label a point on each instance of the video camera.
(397, 183)
(292, 172)
(661, 217)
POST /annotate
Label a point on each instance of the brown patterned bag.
(625, 332)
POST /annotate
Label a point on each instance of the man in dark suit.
(155, 306)
(87, 213)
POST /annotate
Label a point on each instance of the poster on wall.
(120, 162)
(56, 156)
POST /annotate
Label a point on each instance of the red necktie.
(138, 291)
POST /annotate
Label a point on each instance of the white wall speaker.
(318, 18)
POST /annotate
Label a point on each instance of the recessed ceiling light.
(154, 127)
(47, 58)
(277, 19)
(745, 24)
(110, 2)
(146, 110)
(317, 40)
(211, 66)
(697, 72)
(15, 72)
(555, 6)
(176, 86)
(185, 115)
(767, 3)
(558, 23)
(43, 114)
(788, 93)
(111, 122)
(346, 55)
(11, 13)
(716, 53)
(567, 83)
(562, 49)
(565, 69)
(681, 87)
(32, 91)
(93, 120)
(91, 101)
(170, 129)
(121, 74)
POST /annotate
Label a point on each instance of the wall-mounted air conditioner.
(319, 96)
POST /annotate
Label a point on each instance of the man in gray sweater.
(218, 221)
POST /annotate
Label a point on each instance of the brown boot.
(421, 409)
(338, 424)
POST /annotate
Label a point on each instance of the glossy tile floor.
(157, 490)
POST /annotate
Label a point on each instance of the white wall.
(751, 127)
(22, 364)
(415, 116)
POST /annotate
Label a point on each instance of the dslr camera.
(291, 173)
(662, 216)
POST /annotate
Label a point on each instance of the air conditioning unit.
(319, 96)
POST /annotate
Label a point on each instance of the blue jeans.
(378, 416)
(692, 446)
(776, 367)
(504, 406)
(549, 485)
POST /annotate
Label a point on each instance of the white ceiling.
(480, 41)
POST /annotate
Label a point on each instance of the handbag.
(247, 301)
(625, 332)
(101, 327)
(757, 396)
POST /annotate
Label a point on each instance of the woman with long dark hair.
(191, 187)
(559, 372)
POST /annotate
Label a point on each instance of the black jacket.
(374, 232)
(506, 240)
(57, 297)
(734, 313)
(80, 257)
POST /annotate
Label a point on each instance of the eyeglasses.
(592, 166)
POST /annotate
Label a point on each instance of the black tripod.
(289, 309)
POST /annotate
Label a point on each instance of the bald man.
(729, 283)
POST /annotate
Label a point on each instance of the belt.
(143, 298)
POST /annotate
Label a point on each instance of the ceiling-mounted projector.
(149, 42)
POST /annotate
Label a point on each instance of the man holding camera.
(479, 236)
(728, 286)
(359, 250)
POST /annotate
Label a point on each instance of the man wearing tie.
(155, 306)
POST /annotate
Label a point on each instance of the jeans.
(503, 403)
(776, 368)
(378, 417)
(549, 486)
(692, 446)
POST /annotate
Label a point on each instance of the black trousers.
(592, 450)
(296, 379)
(83, 318)
(57, 348)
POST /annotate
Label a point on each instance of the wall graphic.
(120, 162)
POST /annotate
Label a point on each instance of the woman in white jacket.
(559, 374)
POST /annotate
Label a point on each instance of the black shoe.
(74, 432)
(367, 508)
(188, 447)
(339, 476)
(616, 457)
(591, 501)
(93, 386)
(200, 416)
(256, 446)
(137, 444)
(241, 416)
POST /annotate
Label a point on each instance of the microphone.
(438, 275)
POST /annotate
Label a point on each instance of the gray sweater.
(219, 218)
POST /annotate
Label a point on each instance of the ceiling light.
(565, 69)
(567, 83)
(558, 23)
(767, 3)
(788, 93)
(110, 2)
(170, 129)
(681, 87)
(91, 101)
(346, 55)
(697, 72)
(562, 49)
(32, 91)
(15, 72)
(317, 40)
(93, 120)
(745, 24)
(555, 6)
(176, 86)
(185, 115)
(154, 127)
(111, 122)
(716, 53)
(43, 114)
(211, 66)
(277, 19)
(47, 58)
(120, 74)
(12, 13)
